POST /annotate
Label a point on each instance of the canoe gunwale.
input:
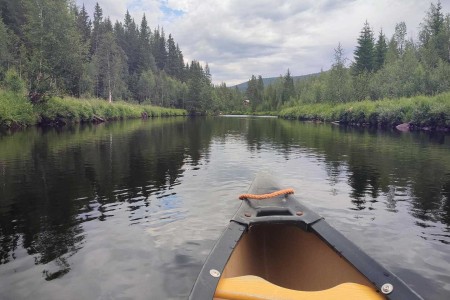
(370, 268)
(205, 286)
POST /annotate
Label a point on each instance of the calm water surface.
(131, 210)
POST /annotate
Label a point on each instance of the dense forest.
(53, 47)
(382, 67)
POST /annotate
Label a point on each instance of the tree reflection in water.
(52, 181)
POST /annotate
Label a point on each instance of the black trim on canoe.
(205, 286)
(288, 210)
(376, 273)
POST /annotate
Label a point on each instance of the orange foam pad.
(255, 288)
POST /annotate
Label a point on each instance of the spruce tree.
(5, 55)
(180, 65)
(84, 25)
(13, 14)
(288, 87)
(364, 58)
(435, 34)
(130, 43)
(252, 92)
(381, 49)
(172, 67)
(97, 28)
(146, 61)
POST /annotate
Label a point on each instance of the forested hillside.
(53, 47)
(382, 67)
(268, 81)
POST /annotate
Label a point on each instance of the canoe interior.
(290, 257)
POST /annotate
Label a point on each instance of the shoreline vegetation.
(16, 111)
(90, 61)
(429, 113)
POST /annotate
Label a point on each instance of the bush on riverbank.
(419, 111)
(17, 111)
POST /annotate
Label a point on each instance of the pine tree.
(364, 58)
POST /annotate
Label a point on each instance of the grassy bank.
(17, 111)
(421, 112)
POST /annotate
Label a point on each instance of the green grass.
(86, 110)
(420, 111)
(17, 111)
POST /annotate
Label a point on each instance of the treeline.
(53, 47)
(382, 67)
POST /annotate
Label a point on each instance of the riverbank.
(16, 111)
(420, 112)
(251, 113)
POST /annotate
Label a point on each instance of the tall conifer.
(364, 58)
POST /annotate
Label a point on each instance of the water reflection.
(376, 161)
(59, 179)
(77, 194)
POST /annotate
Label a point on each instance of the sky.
(239, 38)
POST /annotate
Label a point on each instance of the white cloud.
(241, 38)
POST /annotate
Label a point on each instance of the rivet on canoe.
(299, 213)
(214, 273)
(248, 215)
(387, 288)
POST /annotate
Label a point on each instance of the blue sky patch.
(170, 12)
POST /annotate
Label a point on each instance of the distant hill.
(270, 80)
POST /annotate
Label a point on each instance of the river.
(130, 210)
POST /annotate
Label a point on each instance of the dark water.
(131, 210)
